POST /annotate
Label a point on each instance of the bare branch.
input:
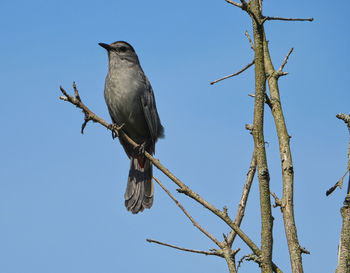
(338, 184)
(286, 165)
(234, 74)
(278, 202)
(234, 3)
(88, 115)
(249, 257)
(250, 128)
(259, 142)
(214, 252)
(285, 60)
(76, 93)
(344, 243)
(245, 193)
(183, 188)
(344, 117)
(250, 40)
(211, 237)
(304, 250)
(268, 101)
(268, 18)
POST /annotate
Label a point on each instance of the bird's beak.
(105, 46)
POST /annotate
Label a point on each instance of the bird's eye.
(123, 49)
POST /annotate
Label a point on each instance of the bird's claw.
(114, 127)
(140, 149)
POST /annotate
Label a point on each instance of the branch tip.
(278, 202)
(249, 127)
(284, 63)
(234, 3)
(304, 250)
(269, 18)
(194, 222)
(234, 74)
(215, 252)
(250, 40)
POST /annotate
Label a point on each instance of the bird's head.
(121, 50)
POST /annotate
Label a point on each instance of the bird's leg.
(140, 149)
(114, 127)
(140, 154)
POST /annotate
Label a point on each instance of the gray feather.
(139, 190)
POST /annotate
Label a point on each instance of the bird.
(131, 104)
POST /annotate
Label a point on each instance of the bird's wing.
(150, 111)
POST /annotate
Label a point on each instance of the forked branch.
(183, 188)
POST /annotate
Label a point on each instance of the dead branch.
(259, 142)
(344, 117)
(286, 165)
(211, 237)
(183, 188)
(338, 184)
(249, 257)
(285, 60)
(268, 18)
(234, 3)
(278, 202)
(234, 74)
(249, 39)
(213, 252)
(244, 197)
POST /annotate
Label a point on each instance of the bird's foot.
(115, 128)
(140, 149)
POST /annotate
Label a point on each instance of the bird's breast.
(123, 91)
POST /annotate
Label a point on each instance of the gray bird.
(131, 104)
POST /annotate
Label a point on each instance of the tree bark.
(344, 247)
(287, 201)
(259, 141)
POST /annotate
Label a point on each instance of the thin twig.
(76, 93)
(76, 100)
(268, 18)
(245, 194)
(211, 237)
(285, 60)
(304, 250)
(234, 3)
(234, 74)
(278, 202)
(250, 40)
(249, 257)
(214, 252)
(338, 184)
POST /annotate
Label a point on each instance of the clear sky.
(61, 193)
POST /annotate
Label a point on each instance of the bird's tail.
(139, 191)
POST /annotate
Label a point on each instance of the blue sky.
(61, 193)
